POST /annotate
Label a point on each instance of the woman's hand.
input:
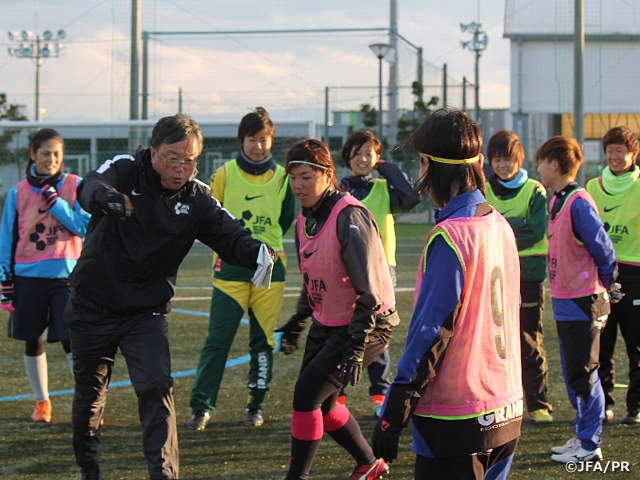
(353, 361)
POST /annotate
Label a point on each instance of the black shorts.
(39, 304)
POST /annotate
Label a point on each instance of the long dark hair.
(452, 134)
(38, 139)
(357, 140)
(314, 152)
(255, 121)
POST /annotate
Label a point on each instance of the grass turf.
(229, 450)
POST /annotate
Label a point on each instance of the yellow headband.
(450, 161)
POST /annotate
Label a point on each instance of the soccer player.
(383, 197)
(459, 379)
(347, 290)
(617, 196)
(147, 210)
(40, 242)
(582, 266)
(255, 190)
(523, 202)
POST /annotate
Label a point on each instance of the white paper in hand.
(262, 276)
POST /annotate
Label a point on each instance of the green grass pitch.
(229, 450)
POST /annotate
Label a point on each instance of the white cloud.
(223, 75)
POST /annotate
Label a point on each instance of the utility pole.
(578, 80)
(520, 122)
(477, 44)
(464, 93)
(420, 76)
(145, 75)
(393, 74)
(326, 115)
(134, 91)
(444, 86)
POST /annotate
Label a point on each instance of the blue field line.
(234, 362)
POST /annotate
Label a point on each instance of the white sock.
(70, 360)
(36, 368)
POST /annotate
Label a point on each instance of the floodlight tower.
(38, 48)
(477, 44)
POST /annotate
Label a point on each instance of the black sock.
(302, 454)
(351, 439)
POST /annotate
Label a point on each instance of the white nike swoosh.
(133, 192)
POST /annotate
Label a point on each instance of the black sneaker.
(253, 417)
(198, 420)
(93, 473)
(631, 418)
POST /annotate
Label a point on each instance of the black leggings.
(34, 349)
(321, 376)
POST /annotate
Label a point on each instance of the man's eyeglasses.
(174, 162)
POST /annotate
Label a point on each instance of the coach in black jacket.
(147, 210)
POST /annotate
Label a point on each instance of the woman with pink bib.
(348, 293)
(40, 241)
(459, 379)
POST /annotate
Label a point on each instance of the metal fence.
(87, 145)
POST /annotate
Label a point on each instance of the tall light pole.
(380, 50)
(477, 44)
(39, 48)
(392, 101)
(134, 80)
(578, 80)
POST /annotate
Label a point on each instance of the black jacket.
(129, 267)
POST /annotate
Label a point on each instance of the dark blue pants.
(625, 315)
(579, 349)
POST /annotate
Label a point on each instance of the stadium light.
(38, 48)
(477, 44)
(380, 50)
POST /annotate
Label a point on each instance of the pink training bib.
(481, 369)
(325, 279)
(572, 271)
(40, 235)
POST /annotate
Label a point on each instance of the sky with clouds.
(224, 75)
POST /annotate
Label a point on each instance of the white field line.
(286, 295)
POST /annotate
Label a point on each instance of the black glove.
(49, 194)
(272, 253)
(116, 204)
(291, 332)
(615, 295)
(353, 361)
(7, 296)
(385, 440)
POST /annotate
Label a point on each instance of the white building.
(542, 60)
